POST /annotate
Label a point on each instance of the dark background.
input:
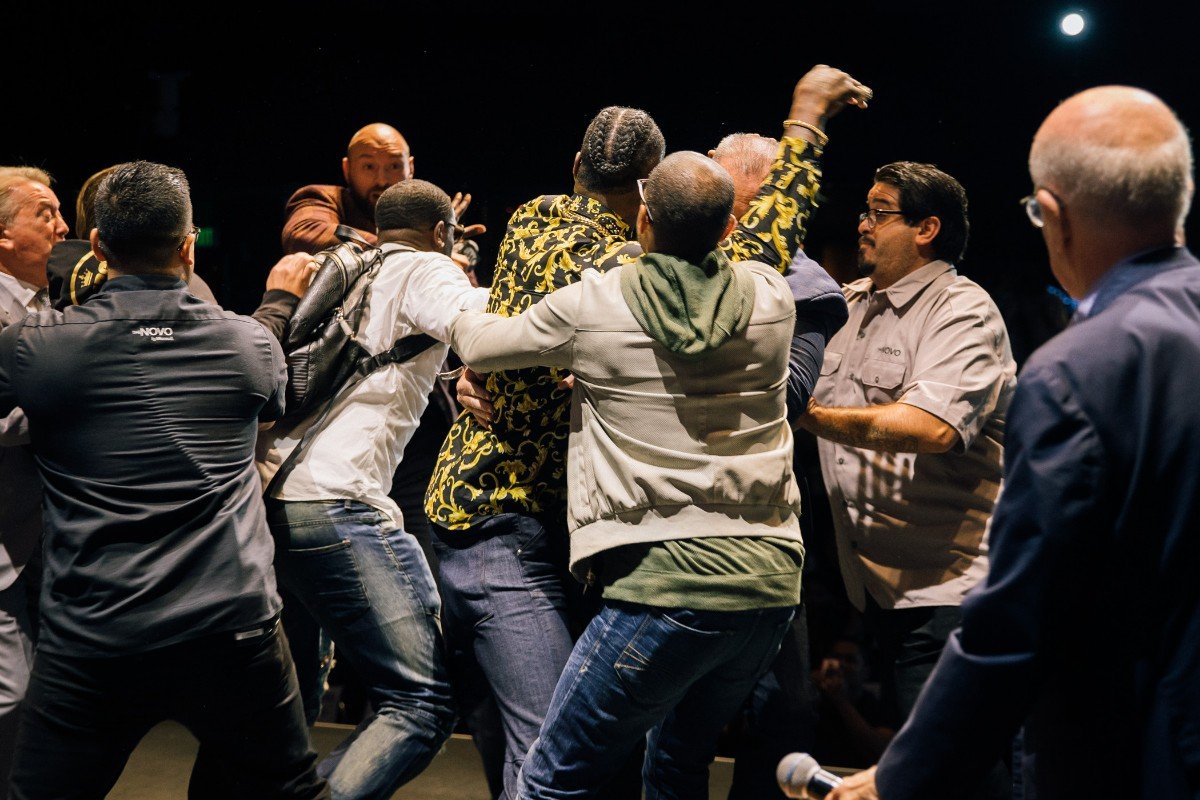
(253, 104)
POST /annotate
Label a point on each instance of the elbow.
(942, 440)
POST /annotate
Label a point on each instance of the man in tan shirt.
(909, 412)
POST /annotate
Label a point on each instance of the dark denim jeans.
(677, 673)
(780, 715)
(236, 693)
(506, 590)
(371, 590)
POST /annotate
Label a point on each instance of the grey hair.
(749, 153)
(1119, 184)
(10, 178)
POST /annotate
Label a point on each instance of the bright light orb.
(1072, 24)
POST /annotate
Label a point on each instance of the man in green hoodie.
(681, 501)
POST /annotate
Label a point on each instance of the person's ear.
(1056, 225)
(412, 170)
(97, 250)
(927, 231)
(645, 229)
(187, 254)
(575, 165)
(187, 258)
(730, 224)
(346, 169)
(439, 235)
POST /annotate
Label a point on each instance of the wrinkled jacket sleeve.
(312, 218)
(275, 311)
(820, 312)
(544, 335)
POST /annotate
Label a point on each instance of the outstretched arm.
(544, 335)
(775, 225)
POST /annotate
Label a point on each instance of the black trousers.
(910, 642)
(236, 693)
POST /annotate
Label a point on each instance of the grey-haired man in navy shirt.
(159, 598)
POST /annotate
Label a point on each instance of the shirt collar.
(907, 288)
(24, 293)
(134, 283)
(594, 212)
(1129, 272)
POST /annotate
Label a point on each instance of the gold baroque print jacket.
(520, 464)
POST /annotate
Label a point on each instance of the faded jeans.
(507, 595)
(371, 590)
(678, 674)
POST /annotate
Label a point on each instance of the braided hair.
(619, 146)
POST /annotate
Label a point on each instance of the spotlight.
(1072, 24)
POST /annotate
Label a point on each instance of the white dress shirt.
(360, 443)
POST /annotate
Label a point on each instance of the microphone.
(799, 773)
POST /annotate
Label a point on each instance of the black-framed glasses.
(641, 184)
(871, 216)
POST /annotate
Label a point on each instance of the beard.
(866, 267)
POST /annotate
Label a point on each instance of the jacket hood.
(691, 309)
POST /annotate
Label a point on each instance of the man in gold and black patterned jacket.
(498, 495)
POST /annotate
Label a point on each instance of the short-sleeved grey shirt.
(912, 528)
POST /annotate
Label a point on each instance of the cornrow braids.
(620, 145)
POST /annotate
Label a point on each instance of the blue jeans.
(781, 718)
(677, 673)
(506, 589)
(370, 588)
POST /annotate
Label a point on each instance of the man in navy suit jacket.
(1087, 630)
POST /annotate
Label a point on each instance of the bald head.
(377, 157)
(689, 197)
(1117, 156)
(377, 136)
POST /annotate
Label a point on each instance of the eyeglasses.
(453, 228)
(871, 216)
(1033, 207)
(641, 184)
(195, 231)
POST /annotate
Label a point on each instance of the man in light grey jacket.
(682, 505)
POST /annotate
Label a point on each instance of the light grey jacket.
(20, 485)
(661, 447)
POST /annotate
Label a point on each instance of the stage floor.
(159, 768)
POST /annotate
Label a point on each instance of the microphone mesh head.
(795, 769)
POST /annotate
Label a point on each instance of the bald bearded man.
(1087, 630)
(377, 157)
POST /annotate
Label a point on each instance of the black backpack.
(321, 344)
(321, 347)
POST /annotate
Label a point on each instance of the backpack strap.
(405, 349)
(345, 233)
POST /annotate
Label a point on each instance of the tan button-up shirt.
(912, 528)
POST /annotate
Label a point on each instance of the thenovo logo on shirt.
(155, 334)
